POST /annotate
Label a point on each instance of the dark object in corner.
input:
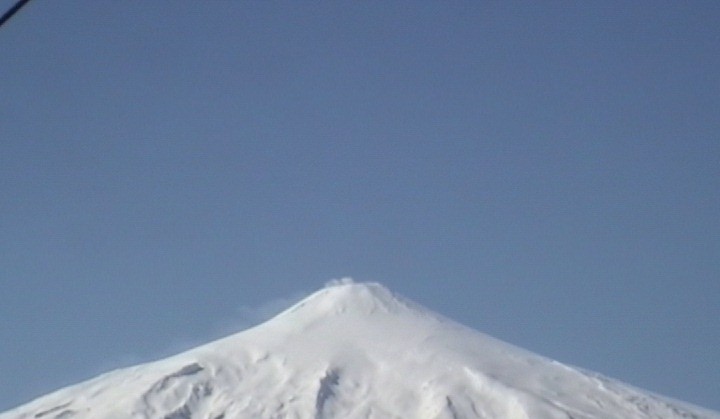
(17, 6)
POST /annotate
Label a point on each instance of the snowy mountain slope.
(354, 351)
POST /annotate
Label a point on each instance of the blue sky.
(547, 173)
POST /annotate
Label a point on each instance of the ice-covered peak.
(347, 296)
(343, 316)
(355, 350)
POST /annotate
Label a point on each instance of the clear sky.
(545, 172)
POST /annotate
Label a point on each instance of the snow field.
(354, 351)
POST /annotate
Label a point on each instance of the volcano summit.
(354, 351)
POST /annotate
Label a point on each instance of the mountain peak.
(346, 291)
(354, 350)
(347, 296)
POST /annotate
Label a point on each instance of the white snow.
(354, 351)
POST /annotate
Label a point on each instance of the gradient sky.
(545, 172)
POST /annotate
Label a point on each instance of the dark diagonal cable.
(7, 15)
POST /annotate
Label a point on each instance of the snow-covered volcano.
(354, 351)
